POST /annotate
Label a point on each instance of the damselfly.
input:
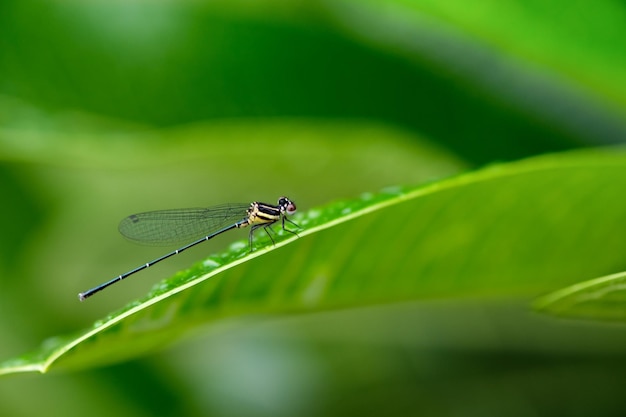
(196, 225)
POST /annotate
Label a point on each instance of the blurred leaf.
(560, 75)
(507, 230)
(598, 299)
(432, 68)
(576, 44)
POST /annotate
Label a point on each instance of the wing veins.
(169, 227)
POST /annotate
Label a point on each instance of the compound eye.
(291, 208)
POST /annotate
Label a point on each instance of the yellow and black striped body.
(264, 215)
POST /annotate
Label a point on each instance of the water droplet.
(211, 263)
(239, 245)
(393, 190)
(313, 214)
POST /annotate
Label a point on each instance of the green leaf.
(489, 44)
(514, 229)
(509, 94)
(602, 299)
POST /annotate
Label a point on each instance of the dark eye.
(291, 208)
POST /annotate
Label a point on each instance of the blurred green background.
(114, 107)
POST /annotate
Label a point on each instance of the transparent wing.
(169, 227)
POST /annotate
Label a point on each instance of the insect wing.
(169, 227)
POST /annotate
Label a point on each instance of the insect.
(165, 227)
